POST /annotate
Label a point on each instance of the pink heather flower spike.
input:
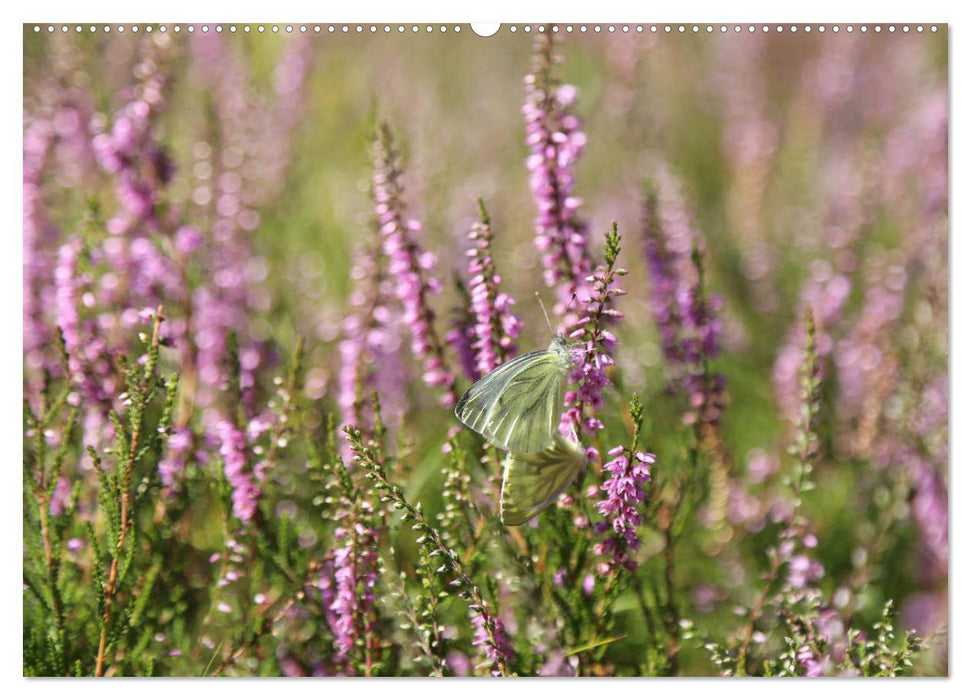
(625, 480)
(355, 575)
(371, 344)
(556, 142)
(594, 354)
(496, 648)
(233, 287)
(687, 320)
(495, 326)
(410, 266)
(461, 337)
(233, 450)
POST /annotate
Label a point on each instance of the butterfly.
(532, 481)
(517, 406)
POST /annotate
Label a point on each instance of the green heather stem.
(42, 481)
(804, 448)
(137, 416)
(708, 434)
(429, 538)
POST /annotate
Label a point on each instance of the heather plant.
(259, 271)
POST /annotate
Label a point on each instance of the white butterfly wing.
(531, 482)
(518, 405)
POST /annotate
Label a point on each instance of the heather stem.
(41, 485)
(671, 614)
(110, 589)
(428, 534)
(707, 424)
(804, 449)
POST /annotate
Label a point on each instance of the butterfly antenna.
(543, 307)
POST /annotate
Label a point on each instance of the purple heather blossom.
(825, 293)
(290, 667)
(257, 129)
(932, 415)
(556, 665)
(748, 138)
(410, 267)
(370, 347)
(594, 354)
(624, 488)
(749, 142)
(68, 295)
(232, 567)
(355, 576)
(929, 504)
(810, 664)
(38, 240)
(930, 509)
(831, 629)
(589, 377)
(328, 593)
(926, 612)
(480, 637)
(90, 370)
(913, 174)
(828, 80)
(803, 570)
(188, 239)
(228, 199)
(743, 508)
(495, 326)
(232, 449)
(458, 663)
(669, 238)
(128, 152)
(101, 288)
(865, 366)
(172, 466)
(688, 322)
(61, 497)
(461, 337)
(828, 630)
(291, 88)
(556, 141)
(760, 465)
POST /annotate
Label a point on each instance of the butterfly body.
(518, 405)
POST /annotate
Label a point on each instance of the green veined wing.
(531, 482)
(518, 405)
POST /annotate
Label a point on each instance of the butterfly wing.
(518, 405)
(531, 482)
